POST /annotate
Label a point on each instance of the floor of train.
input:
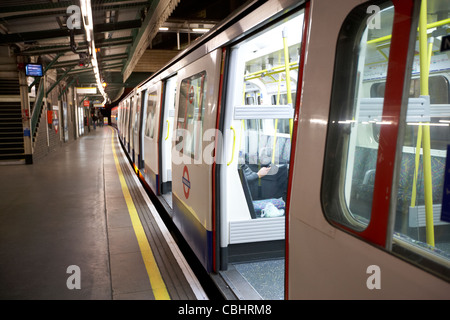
(266, 277)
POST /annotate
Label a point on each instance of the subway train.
(315, 132)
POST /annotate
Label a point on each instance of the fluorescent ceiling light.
(427, 124)
(86, 11)
(201, 30)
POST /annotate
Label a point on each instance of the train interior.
(426, 138)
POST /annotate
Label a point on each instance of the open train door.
(169, 98)
(192, 159)
(261, 89)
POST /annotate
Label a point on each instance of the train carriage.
(114, 116)
(310, 131)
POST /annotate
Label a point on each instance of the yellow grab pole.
(242, 131)
(272, 71)
(416, 167)
(429, 26)
(288, 77)
(419, 142)
(430, 53)
(424, 75)
(274, 141)
(276, 122)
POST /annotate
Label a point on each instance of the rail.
(424, 52)
(37, 109)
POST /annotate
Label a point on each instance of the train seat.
(364, 176)
(257, 204)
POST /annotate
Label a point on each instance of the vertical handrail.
(276, 121)
(419, 144)
(288, 77)
(416, 166)
(424, 91)
(234, 144)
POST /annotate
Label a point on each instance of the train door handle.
(168, 126)
(234, 143)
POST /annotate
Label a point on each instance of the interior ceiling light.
(86, 11)
(200, 30)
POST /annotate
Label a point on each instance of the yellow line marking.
(156, 281)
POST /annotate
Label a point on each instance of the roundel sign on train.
(186, 182)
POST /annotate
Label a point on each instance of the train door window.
(137, 112)
(352, 146)
(127, 122)
(150, 123)
(438, 86)
(190, 115)
(131, 127)
(418, 225)
(362, 57)
(130, 123)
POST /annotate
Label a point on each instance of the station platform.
(78, 225)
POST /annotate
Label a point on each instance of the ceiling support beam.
(59, 8)
(102, 67)
(69, 63)
(102, 43)
(59, 33)
(35, 9)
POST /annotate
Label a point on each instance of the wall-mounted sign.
(87, 90)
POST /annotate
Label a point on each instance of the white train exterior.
(330, 95)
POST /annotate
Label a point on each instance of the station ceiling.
(124, 31)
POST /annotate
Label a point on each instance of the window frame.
(196, 151)
(150, 94)
(380, 228)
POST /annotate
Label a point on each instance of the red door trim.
(298, 102)
(214, 166)
(376, 231)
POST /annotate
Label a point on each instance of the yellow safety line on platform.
(156, 281)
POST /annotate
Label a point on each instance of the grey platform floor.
(69, 209)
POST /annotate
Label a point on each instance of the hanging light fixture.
(88, 22)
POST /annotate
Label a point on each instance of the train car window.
(352, 147)
(130, 122)
(150, 122)
(418, 224)
(137, 113)
(419, 233)
(439, 88)
(190, 115)
(127, 122)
